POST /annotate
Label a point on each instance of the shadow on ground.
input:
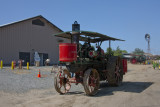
(74, 93)
(134, 87)
(105, 90)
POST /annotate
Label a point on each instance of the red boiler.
(67, 52)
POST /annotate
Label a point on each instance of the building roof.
(39, 16)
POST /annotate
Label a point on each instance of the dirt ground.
(141, 88)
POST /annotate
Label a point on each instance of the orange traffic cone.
(39, 75)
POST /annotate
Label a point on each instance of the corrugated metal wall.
(26, 37)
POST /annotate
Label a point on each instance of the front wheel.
(91, 82)
(61, 82)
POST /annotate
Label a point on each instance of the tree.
(109, 51)
(117, 52)
(124, 51)
(138, 51)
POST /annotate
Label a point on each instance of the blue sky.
(125, 19)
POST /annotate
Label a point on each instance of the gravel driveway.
(141, 88)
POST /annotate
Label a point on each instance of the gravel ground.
(141, 88)
(21, 81)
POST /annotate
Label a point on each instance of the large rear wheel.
(115, 71)
(91, 82)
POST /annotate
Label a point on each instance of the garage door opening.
(24, 56)
(43, 58)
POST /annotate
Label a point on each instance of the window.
(38, 22)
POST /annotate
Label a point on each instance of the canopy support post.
(109, 47)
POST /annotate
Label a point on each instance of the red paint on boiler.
(67, 52)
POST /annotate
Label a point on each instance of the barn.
(21, 39)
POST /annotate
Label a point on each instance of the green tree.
(124, 51)
(119, 52)
(110, 51)
(138, 51)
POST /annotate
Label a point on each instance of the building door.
(41, 59)
(24, 56)
(45, 56)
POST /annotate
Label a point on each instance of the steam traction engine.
(89, 65)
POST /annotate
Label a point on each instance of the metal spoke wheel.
(61, 82)
(91, 81)
(115, 71)
(118, 73)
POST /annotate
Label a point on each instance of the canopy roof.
(84, 35)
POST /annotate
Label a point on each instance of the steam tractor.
(88, 65)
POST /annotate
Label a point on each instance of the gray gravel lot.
(140, 88)
(21, 81)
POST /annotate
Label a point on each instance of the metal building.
(20, 40)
